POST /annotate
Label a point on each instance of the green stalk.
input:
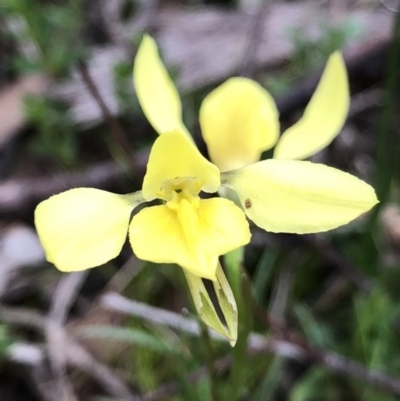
(242, 292)
(210, 361)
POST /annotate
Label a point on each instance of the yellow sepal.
(227, 303)
(84, 227)
(299, 197)
(190, 237)
(206, 309)
(239, 120)
(323, 117)
(174, 155)
(155, 90)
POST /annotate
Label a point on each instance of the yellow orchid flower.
(85, 227)
(239, 119)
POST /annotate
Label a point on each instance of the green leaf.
(129, 335)
(311, 386)
(315, 332)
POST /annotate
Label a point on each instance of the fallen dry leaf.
(12, 117)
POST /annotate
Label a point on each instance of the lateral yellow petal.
(155, 89)
(239, 120)
(299, 197)
(84, 227)
(192, 238)
(174, 155)
(323, 117)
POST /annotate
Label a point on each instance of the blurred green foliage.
(127, 100)
(50, 34)
(57, 135)
(52, 30)
(311, 54)
(5, 340)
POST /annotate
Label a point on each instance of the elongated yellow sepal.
(239, 120)
(227, 303)
(299, 197)
(84, 227)
(206, 309)
(155, 89)
(324, 116)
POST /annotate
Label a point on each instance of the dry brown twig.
(18, 195)
(390, 7)
(76, 355)
(113, 124)
(222, 40)
(334, 362)
(61, 302)
(289, 345)
(247, 67)
(12, 114)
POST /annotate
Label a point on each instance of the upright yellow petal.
(299, 197)
(239, 120)
(192, 238)
(155, 90)
(324, 116)
(174, 155)
(84, 227)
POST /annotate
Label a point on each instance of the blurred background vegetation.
(319, 315)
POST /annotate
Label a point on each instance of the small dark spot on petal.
(247, 203)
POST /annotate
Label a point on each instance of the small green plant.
(56, 137)
(5, 340)
(122, 75)
(49, 29)
(309, 54)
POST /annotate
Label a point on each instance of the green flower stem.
(199, 300)
(242, 292)
(210, 361)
